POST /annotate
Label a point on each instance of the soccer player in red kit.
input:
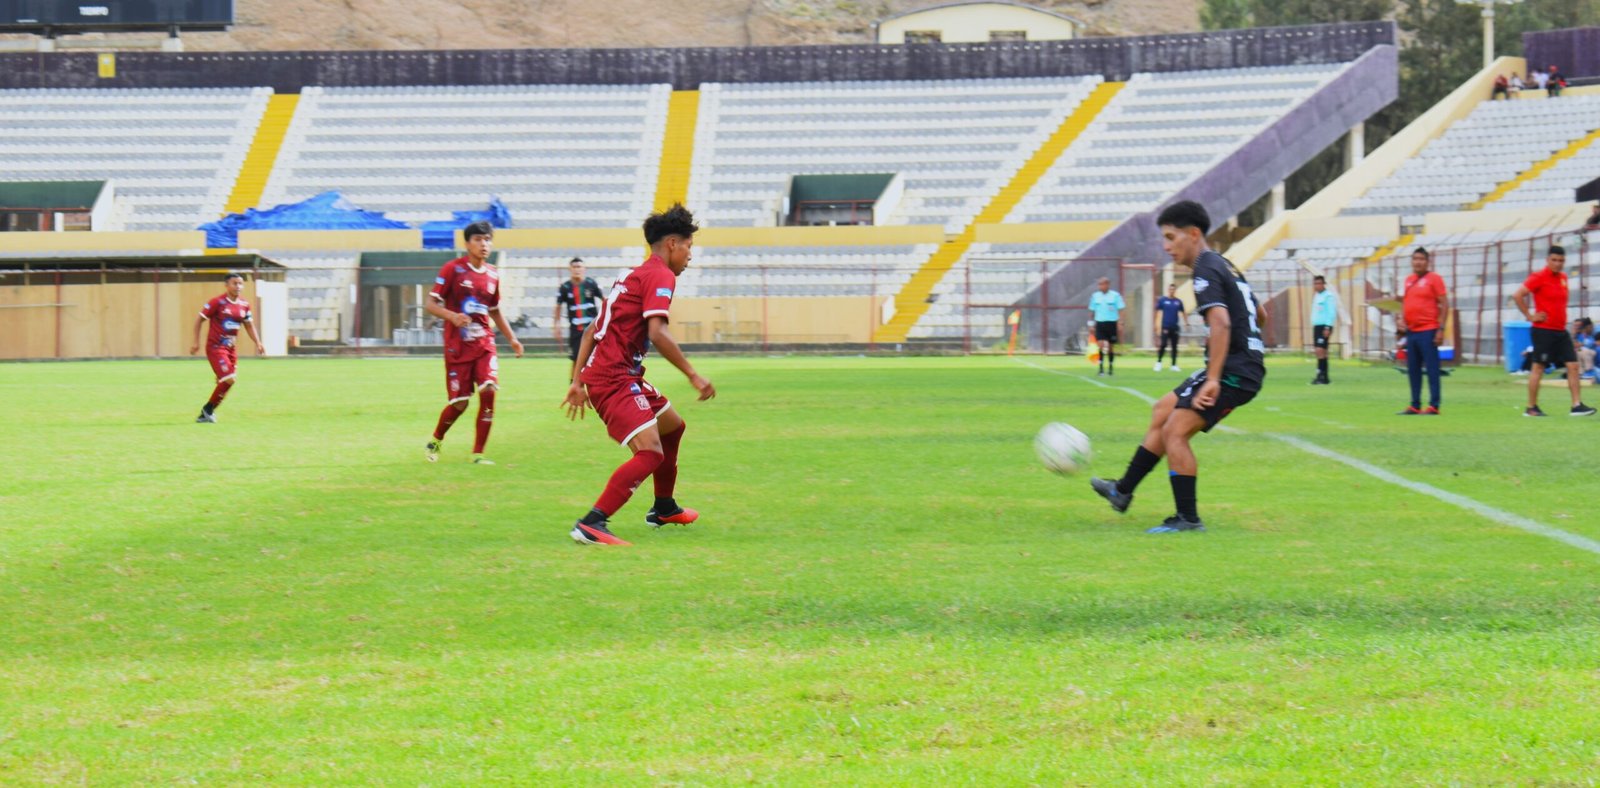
(226, 313)
(466, 293)
(609, 377)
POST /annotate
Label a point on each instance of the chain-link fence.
(733, 307)
(1481, 277)
(978, 305)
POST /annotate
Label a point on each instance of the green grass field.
(884, 587)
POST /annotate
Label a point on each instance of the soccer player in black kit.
(1232, 375)
(581, 298)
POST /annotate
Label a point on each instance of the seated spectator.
(1515, 88)
(1593, 222)
(1556, 82)
(1583, 340)
(1540, 79)
(1501, 86)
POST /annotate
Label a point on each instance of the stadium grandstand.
(987, 179)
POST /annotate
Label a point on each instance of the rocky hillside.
(465, 24)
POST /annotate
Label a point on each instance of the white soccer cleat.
(1175, 368)
(1157, 367)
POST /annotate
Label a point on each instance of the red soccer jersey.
(1422, 301)
(1549, 291)
(227, 316)
(474, 293)
(622, 329)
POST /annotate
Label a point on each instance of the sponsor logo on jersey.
(664, 292)
(633, 388)
(230, 325)
(1200, 285)
(491, 286)
(438, 280)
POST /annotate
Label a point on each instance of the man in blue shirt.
(1583, 340)
(1106, 305)
(1324, 315)
(1171, 310)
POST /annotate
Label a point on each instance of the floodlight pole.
(1488, 25)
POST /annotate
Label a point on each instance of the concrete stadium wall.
(121, 319)
(1324, 207)
(1575, 50)
(1369, 85)
(1114, 58)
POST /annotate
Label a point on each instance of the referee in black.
(581, 297)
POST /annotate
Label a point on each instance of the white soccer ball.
(1062, 448)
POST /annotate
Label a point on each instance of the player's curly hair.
(673, 221)
(1184, 215)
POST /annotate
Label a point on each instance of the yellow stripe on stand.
(1537, 169)
(677, 148)
(912, 301)
(257, 167)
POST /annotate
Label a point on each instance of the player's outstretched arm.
(505, 328)
(195, 346)
(662, 339)
(576, 399)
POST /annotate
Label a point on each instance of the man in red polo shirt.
(1425, 303)
(1551, 342)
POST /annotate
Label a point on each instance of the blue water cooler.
(1518, 336)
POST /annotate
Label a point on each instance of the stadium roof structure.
(1114, 58)
(205, 265)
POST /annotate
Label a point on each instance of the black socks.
(1183, 496)
(1143, 462)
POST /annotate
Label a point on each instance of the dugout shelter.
(128, 307)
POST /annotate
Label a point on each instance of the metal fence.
(989, 319)
(754, 307)
(1481, 277)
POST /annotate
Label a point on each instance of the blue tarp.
(326, 211)
(442, 235)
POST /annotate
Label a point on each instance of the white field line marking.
(1498, 515)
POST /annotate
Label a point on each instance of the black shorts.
(1105, 330)
(1228, 398)
(1553, 346)
(574, 340)
(1320, 336)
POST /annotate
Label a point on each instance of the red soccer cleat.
(596, 534)
(681, 517)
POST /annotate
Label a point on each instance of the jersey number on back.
(604, 320)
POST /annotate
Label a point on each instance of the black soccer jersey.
(582, 302)
(1218, 284)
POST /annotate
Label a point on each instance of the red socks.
(627, 479)
(218, 393)
(485, 419)
(666, 476)
(446, 418)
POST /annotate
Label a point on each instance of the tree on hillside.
(1441, 46)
